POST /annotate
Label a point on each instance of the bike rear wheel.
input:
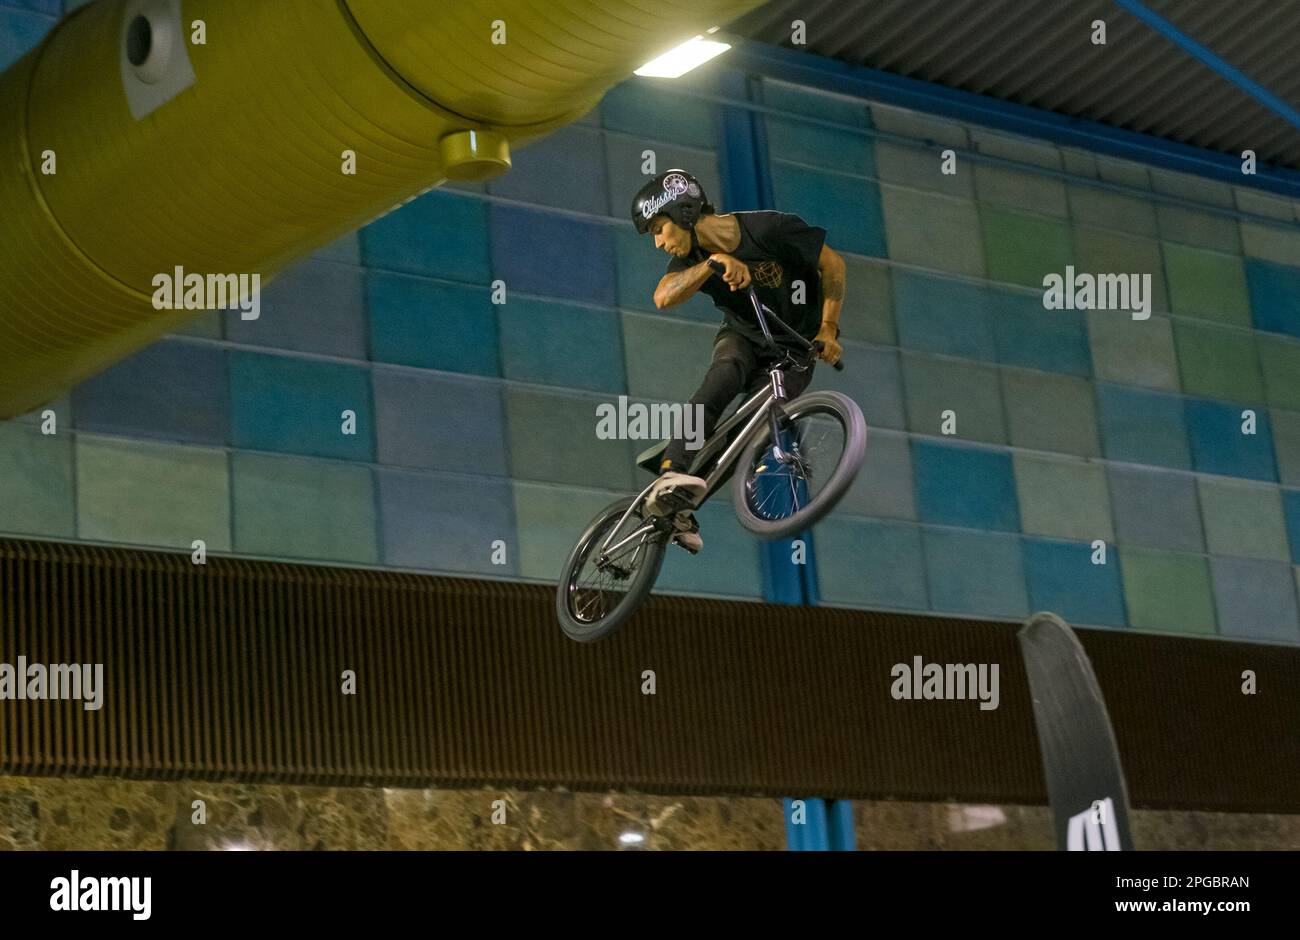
(598, 590)
(781, 491)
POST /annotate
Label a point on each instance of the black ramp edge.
(1085, 782)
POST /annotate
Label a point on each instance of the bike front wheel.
(785, 487)
(609, 572)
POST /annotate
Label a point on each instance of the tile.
(152, 494)
(1133, 352)
(345, 249)
(447, 522)
(314, 306)
(1003, 185)
(1291, 511)
(582, 186)
(1279, 358)
(173, 390)
(1139, 426)
(870, 564)
(884, 487)
(965, 486)
(1255, 202)
(1094, 205)
(939, 315)
(296, 406)
(1243, 520)
(36, 482)
(1286, 445)
(1155, 508)
(1195, 188)
(847, 207)
(969, 389)
(800, 99)
(1027, 334)
(933, 231)
(975, 573)
(430, 324)
(440, 422)
(1218, 363)
(733, 568)
(1014, 147)
(20, 32)
(440, 234)
(1214, 430)
(921, 167)
(833, 148)
(1279, 244)
(59, 411)
(645, 109)
(1063, 579)
(1167, 591)
(1255, 600)
(48, 7)
(1194, 227)
(871, 378)
(297, 508)
(575, 261)
(552, 439)
(666, 360)
(1206, 284)
(561, 344)
(1124, 172)
(1099, 251)
(1063, 498)
(1274, 296)
(549, 520)
(1023, 249)
(1050, 412)
(868, 311)
(919, 126)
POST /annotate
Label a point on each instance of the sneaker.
(688, 532)
(674, 492)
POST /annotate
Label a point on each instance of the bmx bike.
(796, 459)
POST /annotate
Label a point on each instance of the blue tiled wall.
(475, 419)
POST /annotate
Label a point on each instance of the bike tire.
(855, 448)
(639, 587)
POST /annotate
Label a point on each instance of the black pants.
(739, 365)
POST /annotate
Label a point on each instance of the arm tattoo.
(677, 287)
(833, 285)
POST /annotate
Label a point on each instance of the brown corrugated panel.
(234, 670)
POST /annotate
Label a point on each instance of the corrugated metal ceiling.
(1040, 53)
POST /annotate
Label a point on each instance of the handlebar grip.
(837, 366)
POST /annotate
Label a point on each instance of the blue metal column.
(747, 184)
(812, 835)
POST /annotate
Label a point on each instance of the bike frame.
(763, 406)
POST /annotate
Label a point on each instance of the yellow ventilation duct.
(210, 135)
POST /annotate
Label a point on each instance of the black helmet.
(675, 194)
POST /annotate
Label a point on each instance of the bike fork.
(775, 413)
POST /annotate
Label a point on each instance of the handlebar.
(762, 312)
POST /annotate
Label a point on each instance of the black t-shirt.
(779, 248)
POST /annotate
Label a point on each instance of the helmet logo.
(675, 184)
